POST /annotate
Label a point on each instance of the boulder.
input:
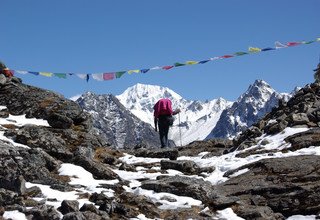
(68, 206)
(171, 153)
(288, 186)
(180, 185)
(298, 119)
(304, 139)
(185, 166)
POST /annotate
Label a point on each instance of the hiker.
(317, 74)
(163, 118)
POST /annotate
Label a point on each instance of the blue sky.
(97, 36)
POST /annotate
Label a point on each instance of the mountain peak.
(148, 91)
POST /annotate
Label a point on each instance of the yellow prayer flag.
(318, 39)
(192, 62)
(254, 49)
(45, 74)
(133, 71)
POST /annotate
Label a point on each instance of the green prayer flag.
(179, 64)
(61, 75)
(119, 74)
(240, 53)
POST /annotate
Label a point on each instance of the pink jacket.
(162, 107)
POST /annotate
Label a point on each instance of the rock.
(276, 127)
(185, 166)
(38, 103)
(74, 216)
(304, 139)
(59, 121)
(42, 212)
(98, 170)
(7, 197)
(180, 185)
(258, 212)
(170, 153)
(287, 186)
(215, 147)
(249, 134)
(298, 119)
(68, 206)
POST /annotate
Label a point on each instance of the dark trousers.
(163, 130)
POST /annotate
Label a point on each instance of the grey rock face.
(116, 124)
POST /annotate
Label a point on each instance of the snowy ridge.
(197, 118)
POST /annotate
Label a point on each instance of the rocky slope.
(62, 170)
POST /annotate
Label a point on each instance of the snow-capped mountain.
(196, 120)
(258, 100)
(117, 124)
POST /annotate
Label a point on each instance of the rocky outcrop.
(38, 103)
(285, 186)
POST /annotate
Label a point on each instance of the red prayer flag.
(290, 44)
(108, 76)
(226, 56)
(167, 67)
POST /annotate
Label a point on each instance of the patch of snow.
(5, 139)
(14, 215)
(21, 120)
(302, 217)
(79, 176)
(130, 159)
(227, 214)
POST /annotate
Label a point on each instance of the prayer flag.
(268, 48)
(203, 61)
(34, 73)
(98, 76)
(280, 45)
(108, 76)
(318, 39)
(61, 75)
(291, 44)
(80, 75)
(179, 64)
(21, 72)
(254, 49)
(308, 42)
(167, 67)
(226, 56)
(191, 62)
(144, 70)
(133, 71)
(119, 74)
(88, 77)
(156, 68)
(46, 74)
(215, 58)
(240, 53)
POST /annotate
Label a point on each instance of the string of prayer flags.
(118, 74)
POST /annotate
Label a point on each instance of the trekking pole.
(180, 130)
